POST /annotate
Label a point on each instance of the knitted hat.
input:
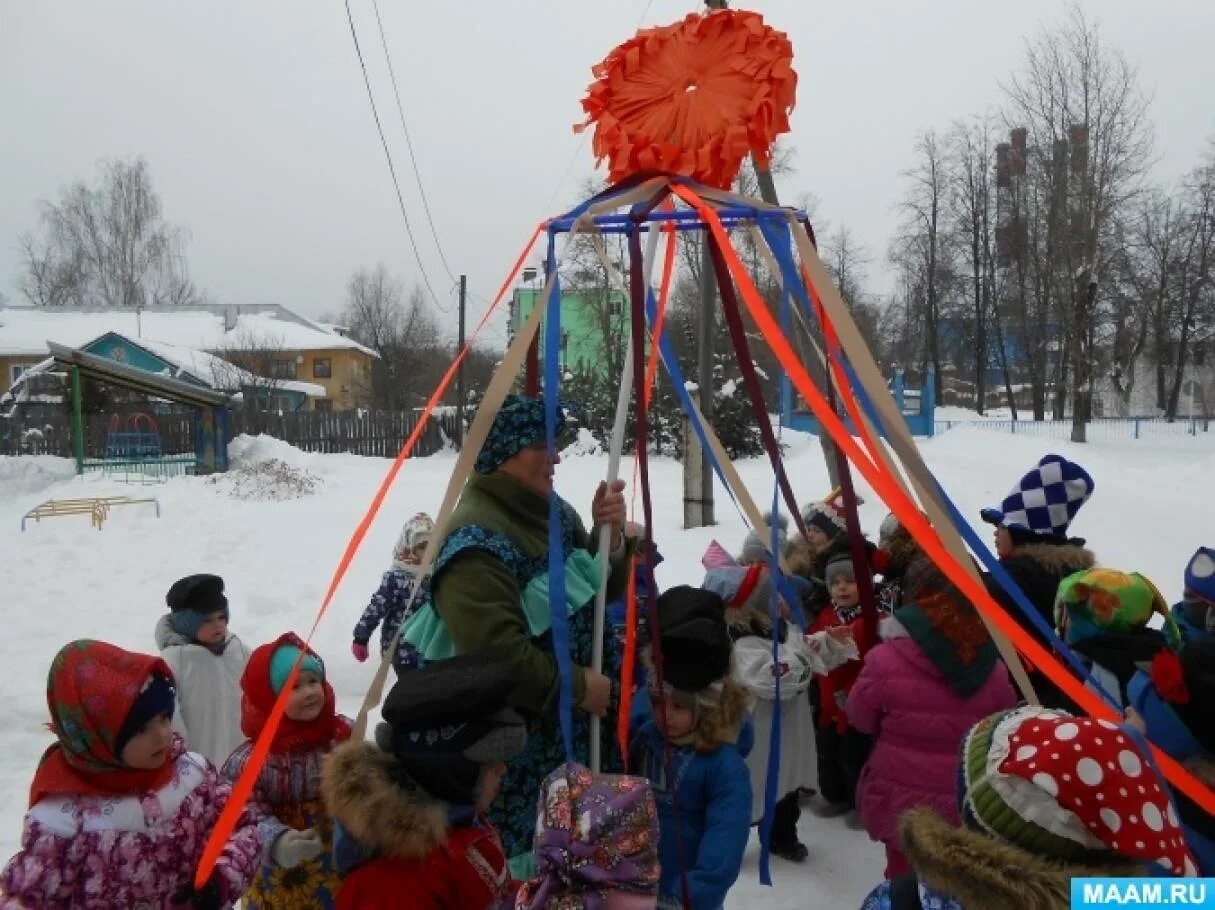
(1200, 575)
(1095, 601)
(192, 599)
(447, 719)
(693, 638)
(839, 566)
(158, 696)
(1045, 500)
(755, 548)
(596, 834)
(1069, 788)
(828, 516)
(518, 424)
(284, 659)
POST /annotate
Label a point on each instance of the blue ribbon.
(556, 556)
(670, 362)
(780, 242)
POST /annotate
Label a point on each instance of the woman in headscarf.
(490, 595)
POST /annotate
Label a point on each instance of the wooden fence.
(373, 433)
(378, 434)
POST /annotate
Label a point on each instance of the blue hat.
(284, 659)
(518, 424)
(1046, 499)
(158, 696)
(1200, 575)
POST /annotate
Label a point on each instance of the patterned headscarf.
(597, 833)
(518, 424)
(259, 694)
(90, 690)
(1094, 601)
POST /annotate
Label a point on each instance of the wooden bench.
(97, 508)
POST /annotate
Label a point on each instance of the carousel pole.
(605, 532)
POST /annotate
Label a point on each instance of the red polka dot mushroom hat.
(1071, 788)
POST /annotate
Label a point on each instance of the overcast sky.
(254, 120)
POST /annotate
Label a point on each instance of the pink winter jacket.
(96, 852)
(918, 723)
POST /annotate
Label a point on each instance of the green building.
(591, 319)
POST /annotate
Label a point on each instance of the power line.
(391, 167)
(413, 160)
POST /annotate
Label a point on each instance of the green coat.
(479, 599)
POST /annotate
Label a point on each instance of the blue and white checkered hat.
(1046, 499)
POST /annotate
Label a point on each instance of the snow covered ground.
(63, 580)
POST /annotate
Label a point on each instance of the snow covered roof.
(212, 371)
(219, 373)
(25, 331)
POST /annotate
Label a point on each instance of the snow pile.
(32, 473)
(249, 450)
(272, 480)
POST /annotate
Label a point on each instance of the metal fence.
(1100, 428)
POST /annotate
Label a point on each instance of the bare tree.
(920, 249)
(1090, 144)
(973, 212)
(1193, 280)
(254, 362)
(107, 245)
(403, 332)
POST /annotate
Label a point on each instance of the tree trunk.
(1082, 356)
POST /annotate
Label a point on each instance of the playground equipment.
(97, 508)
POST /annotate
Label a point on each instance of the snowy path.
(63, 580)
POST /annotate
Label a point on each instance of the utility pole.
(460, 368)
(697, 472)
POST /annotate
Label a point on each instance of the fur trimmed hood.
(384, 817)
(1062, 559)
(982, 873)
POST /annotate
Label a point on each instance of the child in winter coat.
(1173, 704)
(1103, 615)
(596, 843)
(299, 867)
(119, 810)
(207, 661)
(842, 749)
(1032, 527)
(410, 810)
(1044, 797)
(1195, 612)
(934, 676)
(697, 720)
(755, 668)
(387, 609)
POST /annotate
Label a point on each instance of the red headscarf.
(259, 698)
(90, 690)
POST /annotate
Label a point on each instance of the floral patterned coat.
(288, 790)
(130, 851)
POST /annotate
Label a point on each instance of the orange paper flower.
(693, 98)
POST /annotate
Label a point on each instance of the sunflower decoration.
(694, 98)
